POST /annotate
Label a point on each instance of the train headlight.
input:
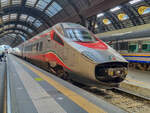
(89, 55)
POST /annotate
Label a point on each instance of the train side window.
(34, 47)
(41, 46)
(58, 39)
(123, 46)
(132, 48)
(37, 46)
(144, 46)
(30, 48)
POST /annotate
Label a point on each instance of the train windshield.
(81, 35)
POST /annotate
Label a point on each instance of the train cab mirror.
(48, 40)
(52, 34)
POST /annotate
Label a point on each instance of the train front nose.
(113, 72)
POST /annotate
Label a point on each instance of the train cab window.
(41, 46)
(58, 39)
(60, 30)
(81, 35)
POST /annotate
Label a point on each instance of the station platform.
(2, 79)
(138, 82)
(34, 90)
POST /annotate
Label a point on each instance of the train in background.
(71, 51)
(132, 43)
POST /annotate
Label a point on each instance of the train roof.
(64, 24)
(141, 31)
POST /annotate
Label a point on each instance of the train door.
(40, 50)
(22, 51)
(57, 46)
(139, 46)
(47, 41)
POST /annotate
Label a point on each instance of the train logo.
(112, 57)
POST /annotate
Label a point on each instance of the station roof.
(126, 15)
(22, 19)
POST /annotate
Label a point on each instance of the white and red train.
(70, 50)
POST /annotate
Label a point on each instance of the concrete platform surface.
(2, 69)
(137, 81)
(34, 90)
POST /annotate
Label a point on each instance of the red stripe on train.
(99, 45)
(48, 57)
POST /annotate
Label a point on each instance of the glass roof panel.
(22, 32)
(1, 28)
(1, 21)
(31, 2)
(30, 19)
(16, 31)
(24, 27)
(6, 27)
(22, 37)
(10, 31)
(5, 18)
(11, 25)
(23, 17)
(30, 31)
(16, 2)
(56, 6)
(49, 13)
(37, 23)
(5, 3)
(19, 26)
(53, 9)
(47, 1)
(14, 35)
(13, 16)
(41, 5)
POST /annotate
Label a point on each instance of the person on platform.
(1, 56)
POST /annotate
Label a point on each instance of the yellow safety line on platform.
(79, 100)
(139, 82)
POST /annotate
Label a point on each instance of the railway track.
(131, 93)
(132, 103)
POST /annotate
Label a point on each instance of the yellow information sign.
(143, 10)
(122, 16)
(106, 21)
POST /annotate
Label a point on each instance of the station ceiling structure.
(22, 19)
(130, 14)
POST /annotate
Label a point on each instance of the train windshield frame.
(80, 35)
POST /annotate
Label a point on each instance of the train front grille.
(113, 72)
